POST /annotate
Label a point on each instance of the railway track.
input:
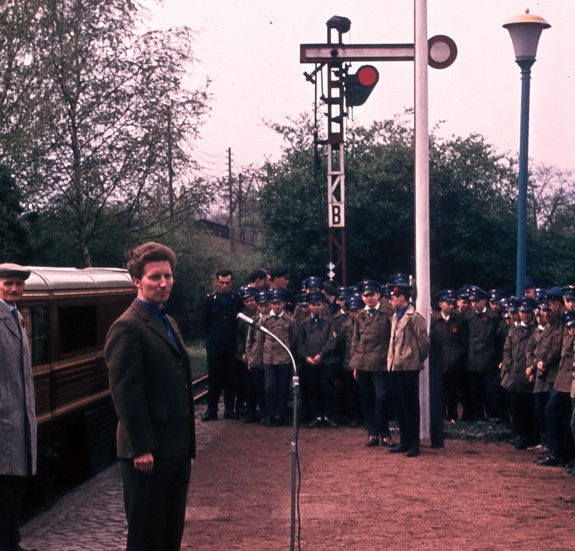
(200, 387)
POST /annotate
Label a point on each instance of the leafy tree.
(472, 206)
(13, 231)
(113, 116)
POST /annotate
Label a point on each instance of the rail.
(200, 387)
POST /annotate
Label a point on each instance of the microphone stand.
(295, 434)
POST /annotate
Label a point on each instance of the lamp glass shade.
(525, 31)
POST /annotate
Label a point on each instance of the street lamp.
(525, 30)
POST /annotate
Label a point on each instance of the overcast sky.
(250, 51)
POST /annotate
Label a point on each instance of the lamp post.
(525, 30)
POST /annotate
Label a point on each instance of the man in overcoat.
(17, 415)
(150, 379)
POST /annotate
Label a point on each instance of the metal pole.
(523, 177)
(422, 273)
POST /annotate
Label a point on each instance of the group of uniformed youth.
(359, 351)
(512, 359)
(358, 356)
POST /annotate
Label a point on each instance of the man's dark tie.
(371, 312)
(17, 320)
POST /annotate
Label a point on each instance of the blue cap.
(446, 296)
(247, 291)
(476, 293)
(555, 294)
(568, 319)
(313, 281)
(568, 291)
(527, 304)
(341, 293)
(399, 280)
(354, 303)
(463, 293)
(530, 282)
(278, 294)
(263, 297)
(368, 286)
(495, 295)
(315, 296)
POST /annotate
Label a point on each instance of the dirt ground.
(470, 495)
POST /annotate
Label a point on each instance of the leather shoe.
(331, 423)
(399, 448)
(209, 416)
(413, 451)
(372, 441)
(268, 422)
(550, 462)
(387, 441)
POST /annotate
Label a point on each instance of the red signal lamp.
(358, 87)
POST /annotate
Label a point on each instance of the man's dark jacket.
(150, 379)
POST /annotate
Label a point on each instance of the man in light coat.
(408, 349)
(17, 416)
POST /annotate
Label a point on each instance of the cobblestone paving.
(91, 517)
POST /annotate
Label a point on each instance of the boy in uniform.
(277, 361)
(316, 349)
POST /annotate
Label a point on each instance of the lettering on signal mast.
(336, 215)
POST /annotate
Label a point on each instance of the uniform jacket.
(409, 343)
(243, 330)
(343, 342)
(220, 320)
(483, 338)
(549, 352)
(565, 374)
(255, 346)
(18, 430)
(150, 379)
(312, 341)
(285, 328)
(540, 384)
(513, 376)
(370, 341)
(448, 342)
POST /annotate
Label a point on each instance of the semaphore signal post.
(348, 90)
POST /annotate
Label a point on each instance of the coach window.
(78, 328)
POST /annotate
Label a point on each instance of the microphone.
(252, 322)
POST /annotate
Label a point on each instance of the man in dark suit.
(150, 379)
(219, 316)
(17, 416)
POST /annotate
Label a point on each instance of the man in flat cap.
(17, 416)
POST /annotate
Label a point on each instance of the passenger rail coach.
(67, 314)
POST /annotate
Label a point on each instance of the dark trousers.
(558, 414)
(405, 385)
(11, 490)
(522, 408)
(350, 396)
(222, 377)
(277, 389)
(375, 396)
(540, 399)
(155, 504)
(257, 392)
(453, 383)
(481, 386)
(322, 387)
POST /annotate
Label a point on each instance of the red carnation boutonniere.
(23, 323)
(454, 330)
(485, 319)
